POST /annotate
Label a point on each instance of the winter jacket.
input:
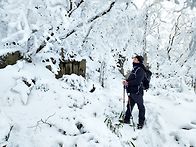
(135, 79)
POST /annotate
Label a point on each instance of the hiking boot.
(140, 126)
(125, 121)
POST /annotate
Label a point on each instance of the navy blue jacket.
(135, 79)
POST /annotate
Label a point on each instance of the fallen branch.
(43, 122)
(49, 124)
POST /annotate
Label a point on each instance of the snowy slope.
(30, 109)
(64, 113)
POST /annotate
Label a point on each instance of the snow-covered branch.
(87, 34)
(71, 10)
(102, 13)
(89, 21)
(172, 36)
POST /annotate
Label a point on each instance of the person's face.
(135, 60)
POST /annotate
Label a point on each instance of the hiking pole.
(122, 114)
(133, 123)
(131, 115)
(123, 102)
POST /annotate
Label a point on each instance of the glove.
(125, 83)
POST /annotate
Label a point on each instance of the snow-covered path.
(169, 122)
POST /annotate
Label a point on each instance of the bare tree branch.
(43, 122)
(172, 37)
(8, 135)
(49, 124)
(87, 34)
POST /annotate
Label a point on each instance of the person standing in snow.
(135, 91)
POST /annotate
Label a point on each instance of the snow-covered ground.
(38, 110)
(63, 113)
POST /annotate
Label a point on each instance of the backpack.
(146, 80)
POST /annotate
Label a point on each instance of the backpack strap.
(136, 71)
(135, 77)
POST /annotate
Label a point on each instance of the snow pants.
(136, 99)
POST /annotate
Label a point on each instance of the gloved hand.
(125, 83)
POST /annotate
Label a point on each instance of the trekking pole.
(133, 123)
(131, 115)
(123, 102)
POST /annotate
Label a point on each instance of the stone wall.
(72, 67)
(9, 59)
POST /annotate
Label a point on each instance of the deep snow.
(63, 112)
